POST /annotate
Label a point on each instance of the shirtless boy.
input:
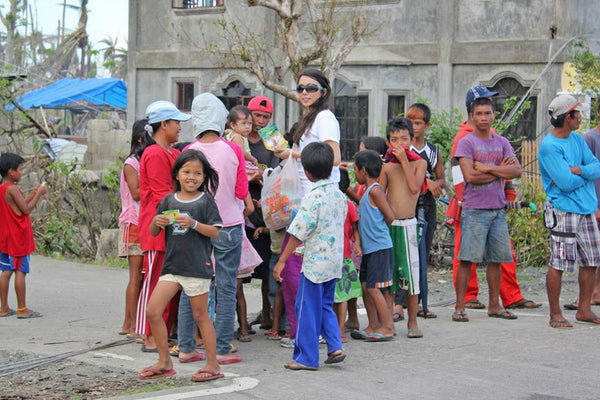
(402, 180)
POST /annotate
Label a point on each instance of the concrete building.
(429, 48)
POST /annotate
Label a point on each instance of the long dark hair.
(321, 104)
(211, 178)
(140, 138)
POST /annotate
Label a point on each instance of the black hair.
(236, 112)
(211, 178)
(344, 182)
(376, 143)
(10, 161)
(140, 139)
(181, 145)
(289, 135)
(481, 101)
(423, 108)
(369, 160)
(559, 121)
(317, 160)
(399, 124)
(156, 126)
(321, 104)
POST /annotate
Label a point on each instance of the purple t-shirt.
(489, 152)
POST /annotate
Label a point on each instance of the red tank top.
(16, 234)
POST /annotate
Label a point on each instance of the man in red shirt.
(510, 292)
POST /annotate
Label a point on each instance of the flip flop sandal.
(32, 314)
(338, 358)
(155, 373)
(196, 357)
(358, 335)
(211, 376)
(503, 314)
(523, 303)
(460, 316)
(294, 366)
(9, 313)
(475, 305)
(230, 360)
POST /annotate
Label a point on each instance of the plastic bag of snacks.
(281, 194)
(272, 138)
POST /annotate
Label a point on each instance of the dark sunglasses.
(309, 88)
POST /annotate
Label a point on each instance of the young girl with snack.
(155, 183)
(190, 219)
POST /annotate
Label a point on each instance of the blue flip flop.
(358, 334)
(378, 338)
(10, 312)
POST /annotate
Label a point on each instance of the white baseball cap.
(164, 110)
(563, 104)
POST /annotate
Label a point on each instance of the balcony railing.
(193, 4)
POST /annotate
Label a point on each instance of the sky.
(105, 18)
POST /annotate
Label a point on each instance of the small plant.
(529, 236)
(76, 211)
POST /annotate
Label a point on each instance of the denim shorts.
(484, 236)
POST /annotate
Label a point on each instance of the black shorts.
(376, 269)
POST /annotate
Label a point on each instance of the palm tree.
(115, 58)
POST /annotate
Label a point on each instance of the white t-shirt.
(325, 127)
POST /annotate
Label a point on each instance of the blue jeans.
(484, 236)
(186, 326)
(228, 249)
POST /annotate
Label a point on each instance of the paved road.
(485, 358)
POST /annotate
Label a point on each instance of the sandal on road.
(523, 303)
(296, 366)
(460, 316)
(560, 324)
(502, 314)
(151, 373)
(426, 314)
(474, 305)
(31, 314)
(205, 375)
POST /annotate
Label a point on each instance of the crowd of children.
(187, 208)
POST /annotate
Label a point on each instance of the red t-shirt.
(351, 217)
(155, 183)
(16, 235)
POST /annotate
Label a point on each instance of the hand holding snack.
(161, 221)
(185, 221)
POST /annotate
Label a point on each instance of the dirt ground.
(71, 379)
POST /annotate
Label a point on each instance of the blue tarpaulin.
(78, 93)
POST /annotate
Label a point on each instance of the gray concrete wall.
(104, 144)
(436, 49)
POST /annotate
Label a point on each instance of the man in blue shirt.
(568, 170)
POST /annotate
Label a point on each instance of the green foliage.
(530, 238)
(76, 211)
(500, 125)
(587, 68)
(444, 125)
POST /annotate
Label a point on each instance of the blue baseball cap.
(164, 110)
(476, 92)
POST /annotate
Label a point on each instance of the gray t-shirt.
(187, 251)
(592, 139)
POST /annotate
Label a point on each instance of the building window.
(525, 128)
(235, 94)
(352, 112)
(396, 106)
(189, 4)
(185, 95)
